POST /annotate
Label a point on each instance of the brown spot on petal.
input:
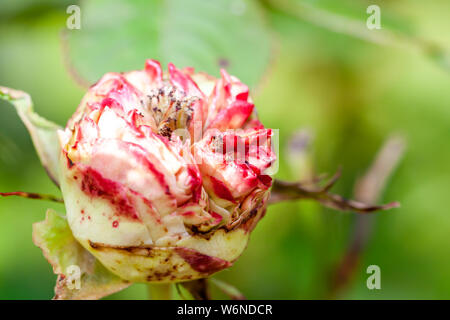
(144, 250)
(70, 163)
(201, 262)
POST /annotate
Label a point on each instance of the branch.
(32, 195)
(367, 189)
(285, 191)
(70, 68)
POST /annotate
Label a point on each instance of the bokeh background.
(313, 65)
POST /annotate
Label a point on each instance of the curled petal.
(153, 69)
(184, 82)
(233, 163)
(227, 91)
(234, 116)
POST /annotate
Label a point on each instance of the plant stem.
(32, 195)
(159, 291)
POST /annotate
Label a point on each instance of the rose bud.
(163, 174)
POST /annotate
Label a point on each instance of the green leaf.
(119, 35)
(42, 132)
(67, 257)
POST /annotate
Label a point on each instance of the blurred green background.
(350, 93)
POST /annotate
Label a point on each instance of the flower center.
(171, 109)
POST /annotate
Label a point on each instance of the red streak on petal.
(201, 262)
(140, 154)
(196, 182)
(133, 117)
(111, 103)
(249, 178)
(151, 208)
(117, 84)
(254, 169)
(95, 185)
(87, 131)
(266, 180)
(217, 217)
(153, 68)
(184, 82)
(221, 190)
(242, 96)
(226, 82)
(188, 214)
(78, 136)
(233, 116)
(115, 224)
